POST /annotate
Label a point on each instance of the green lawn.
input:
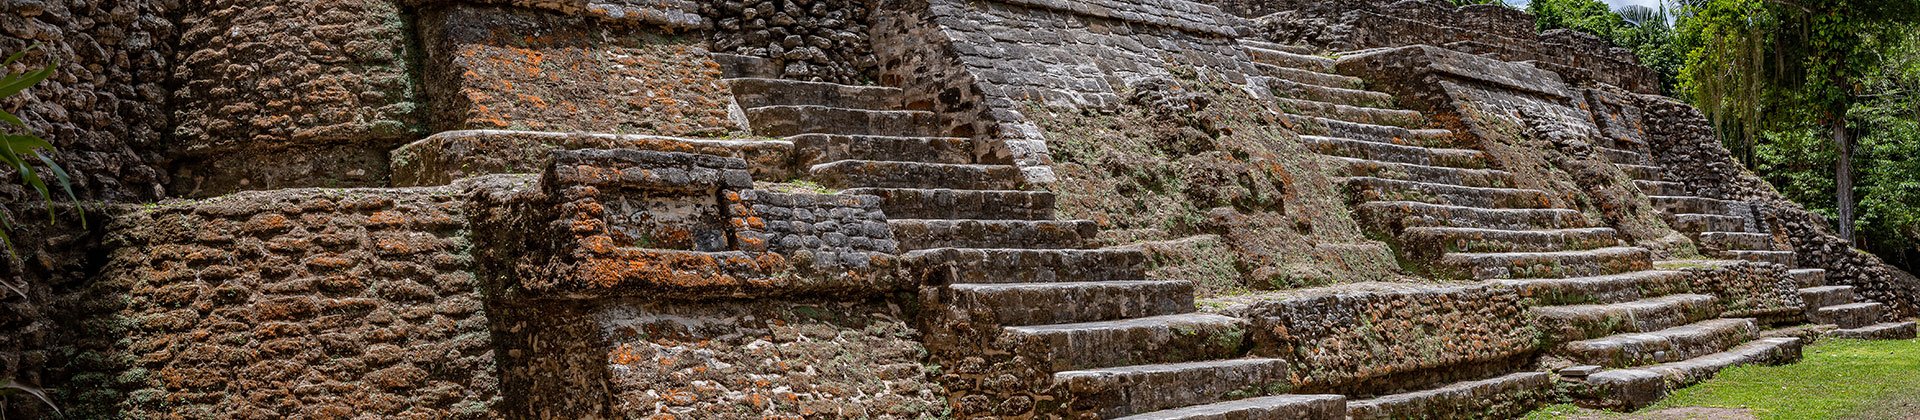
(1840, 379)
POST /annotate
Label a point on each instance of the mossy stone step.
(814, 149)
(1881, 331)
(916, 234)
(1120, 391)
(1626, 157)
(793, 120)
(1653, 188)
(1698, 205)
(1663, 346)
(1708, 223)
(1359, 114)
(1331, 95)
(893, 174)
(1287, 59)
(976, 265)
(1616, 288)
(1428, 137)
(1582, 322)
(1071, 302)
(1507, 396)
(762, 92)
(1434, 241)
(1292, 407)
(1734, 241)
(1825, 296)
(1808, 277)
(913, 203)
(1127, 342)
(1388, 152)
(1365, 189)
(1483, 178)
(1311, 77)
(1396, 216)
(1555, 264)
(1631, 389)
(1852, 315)
(1783, 258)
(1642, 172)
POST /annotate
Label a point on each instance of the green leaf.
(36, 392)
(10, 119)
(14, 86)
(66, 183)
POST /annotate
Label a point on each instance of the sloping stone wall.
(246, 305)
(277, 95)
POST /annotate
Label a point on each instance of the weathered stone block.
(319, 89)
(501, 68)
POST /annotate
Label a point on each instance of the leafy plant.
(17, 141)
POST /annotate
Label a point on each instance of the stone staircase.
(1734, 230)
(1452, 214)
(1114, 342)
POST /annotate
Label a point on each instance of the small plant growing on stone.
(17, 141)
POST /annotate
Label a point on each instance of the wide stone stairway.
(1117, 343)
(1734, 230)
(1450, 213)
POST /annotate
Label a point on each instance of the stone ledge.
(448, 156)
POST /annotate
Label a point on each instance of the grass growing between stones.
(1839, 379)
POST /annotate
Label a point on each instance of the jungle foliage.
(1820, 97)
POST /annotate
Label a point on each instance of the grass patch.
(1839, 379)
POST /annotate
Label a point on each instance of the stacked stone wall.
(298, 302)
(817, 40)
(107, 107)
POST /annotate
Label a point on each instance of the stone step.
(973, 265)
(1365, 189)
(1429, 137)
(1692, 222)
(1439, 240)
(1485, 178)
(1138, 341)
(1121, 391)
(1634, 388)
(1731, 241)
(1332, 95)
(793, 120)
(1291, 407)
(1071, 302)
(1295, 49)
(1663, 346)
(1311, 77)
(1852, 315)
(1388, 152)
(1881, 331)
(909, 203)
(1808, 277)
(1624, 157)
(734, 66)
(1697, 205)
(1825, 296)
(1396, 216)
(1581, 322)
(1509, 396)
(1784, 258)
(1661, 187)
(917, 234)
(814, 149)
(1287, 59)
(1616, 288)
(1642, 172)
(1556, 264)
(894, 174)
(763, 92)
(1364, 115)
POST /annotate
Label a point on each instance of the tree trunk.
(1843, 178)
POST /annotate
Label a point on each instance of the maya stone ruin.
(688, 209)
